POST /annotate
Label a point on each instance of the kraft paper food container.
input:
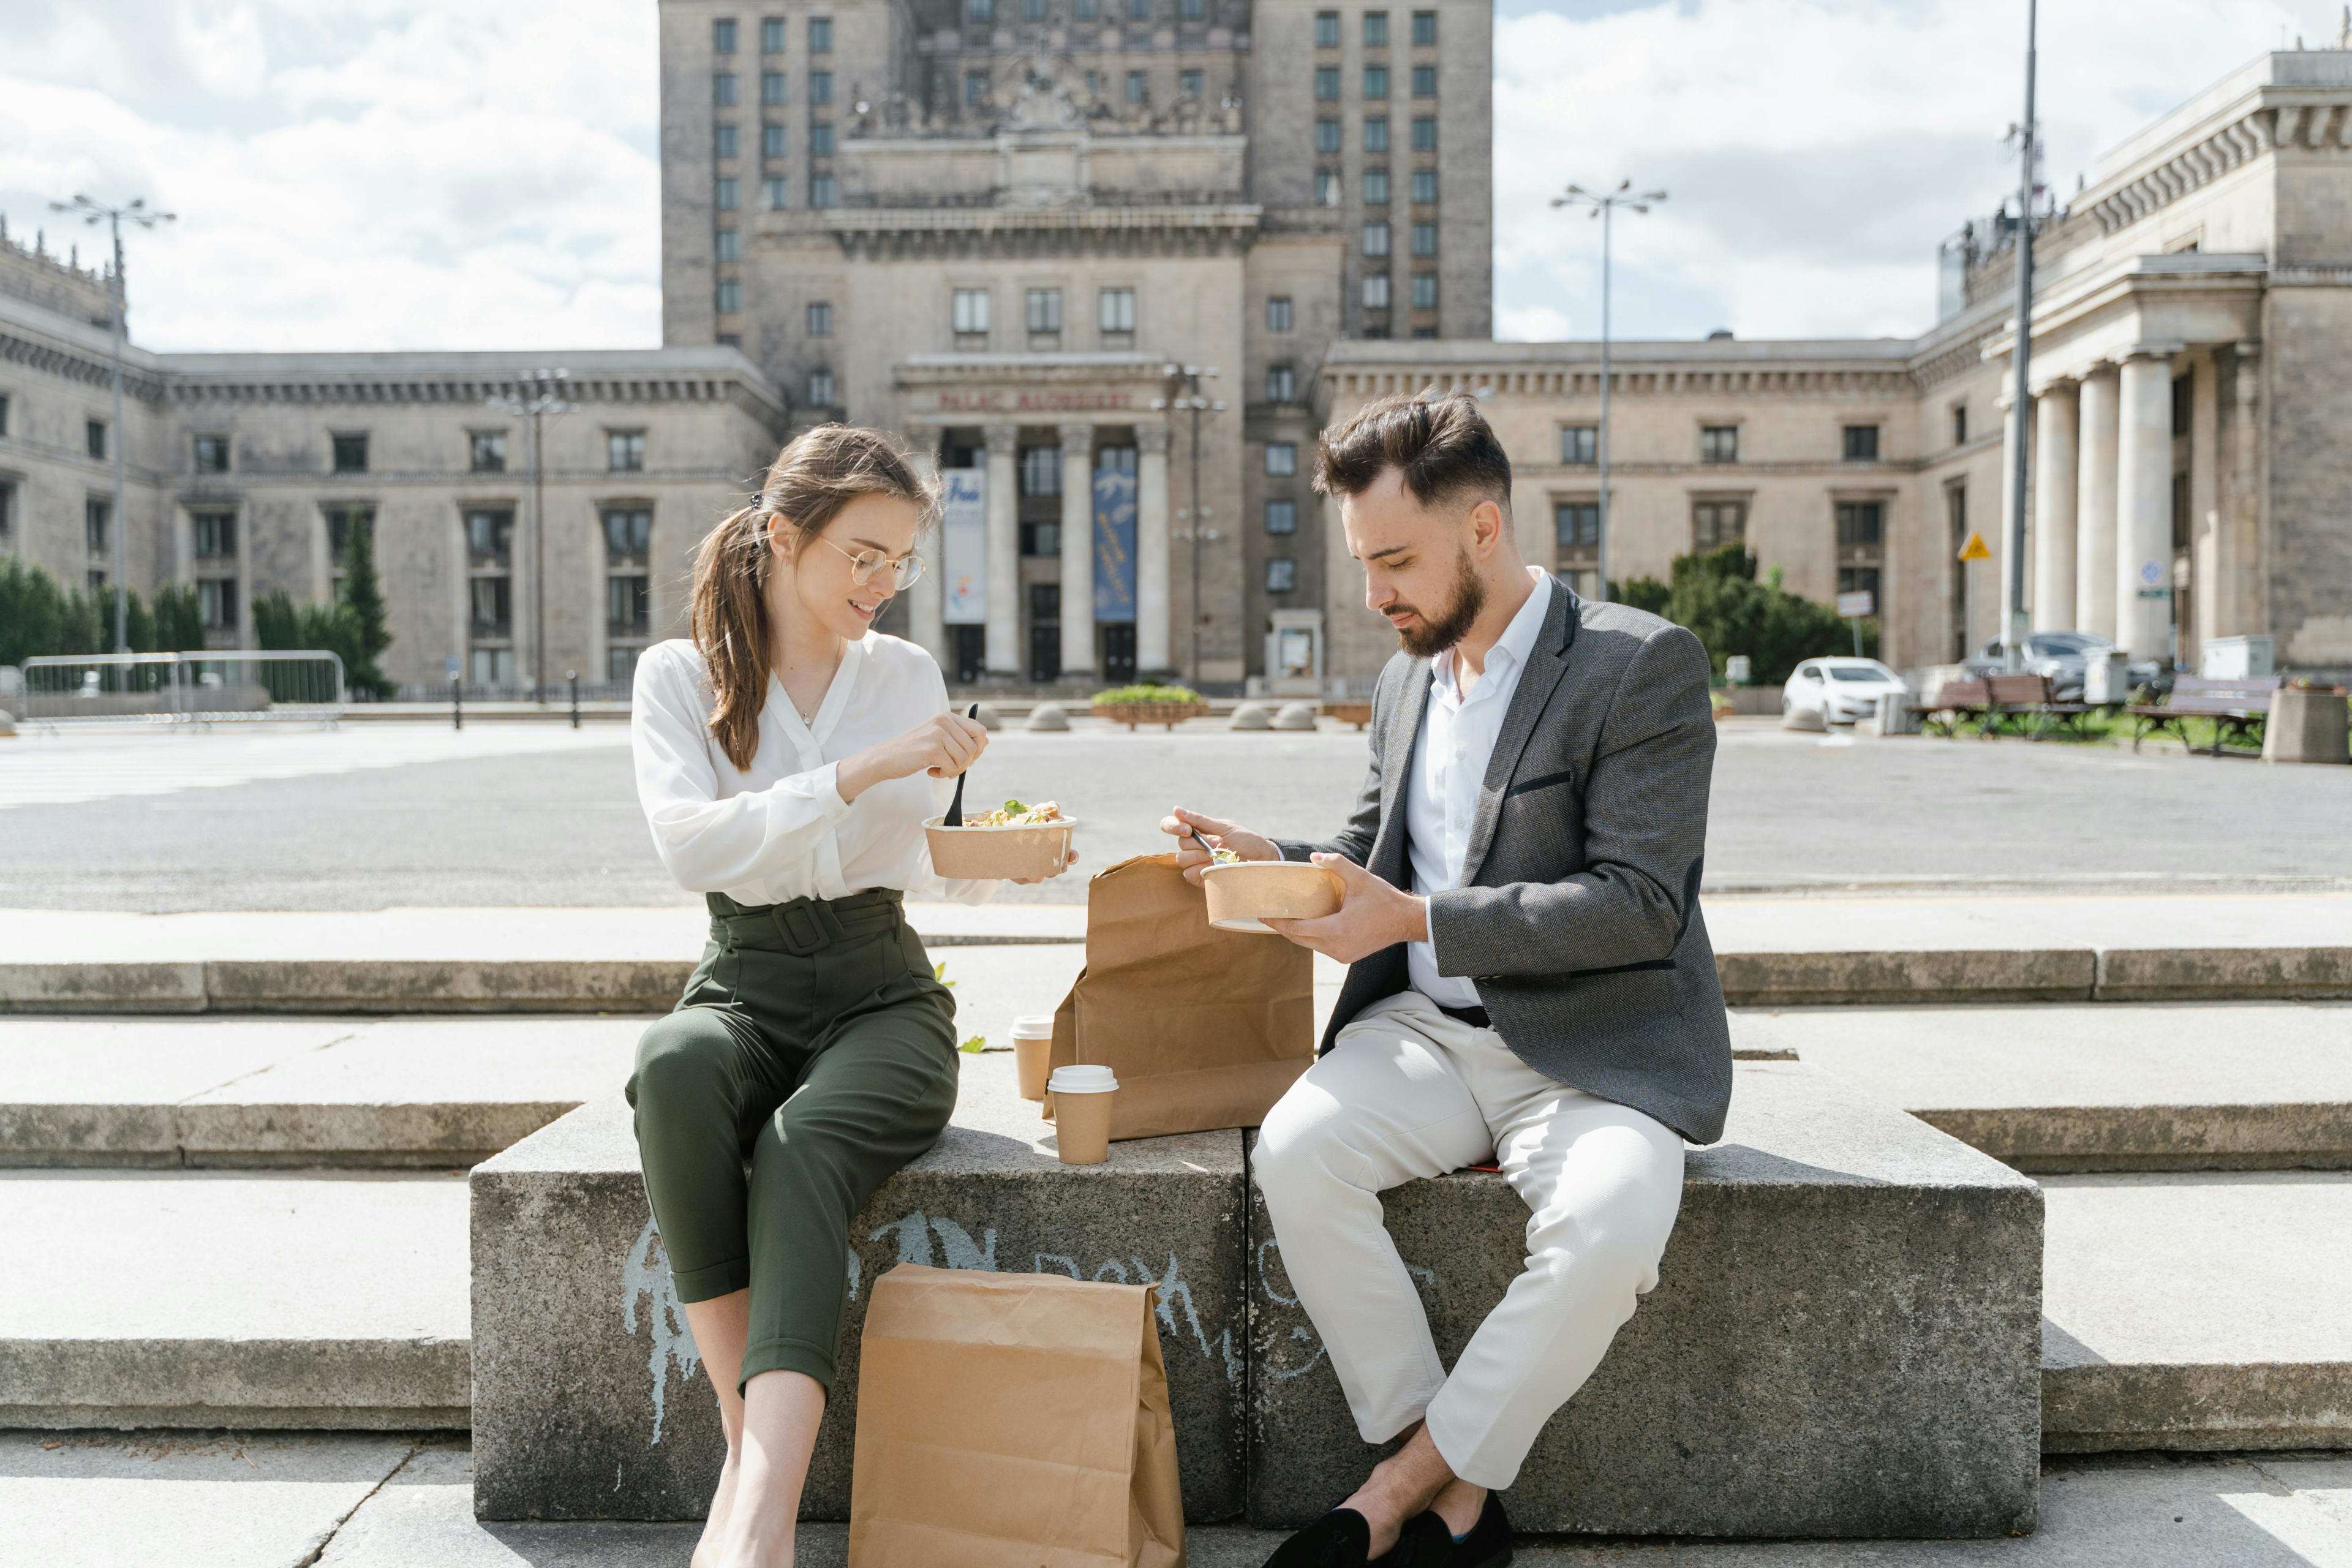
(1033, 1051)
(975, 852)
(1241, 892)
(1082, 1096)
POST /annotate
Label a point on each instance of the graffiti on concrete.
(1302, 1349)
(646, 1275)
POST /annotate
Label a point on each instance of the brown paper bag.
(1205, 1028)
(1012, 1421)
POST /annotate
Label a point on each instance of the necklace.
(808, 715)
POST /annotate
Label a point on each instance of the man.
(1530, 983)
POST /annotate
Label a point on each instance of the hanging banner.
(963, 546)
(1114, 546)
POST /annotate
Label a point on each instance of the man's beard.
(1437, 632)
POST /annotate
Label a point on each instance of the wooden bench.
(1954, 703)
(2025, 705)
(1357, 713)
(2237, 708)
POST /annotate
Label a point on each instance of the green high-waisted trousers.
(812, 1041)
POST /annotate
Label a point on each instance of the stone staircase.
(1870, 1322)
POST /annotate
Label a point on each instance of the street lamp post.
(1603, 206)
(117, 523)
(2020, 403)
(539, 395)
(1184, 393)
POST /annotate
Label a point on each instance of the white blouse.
(780, 830)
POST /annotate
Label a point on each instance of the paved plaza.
(389, 816)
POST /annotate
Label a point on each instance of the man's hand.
(1193, 855)
(1375, 915)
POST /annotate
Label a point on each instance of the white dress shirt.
(780, 829)
(1449, 765)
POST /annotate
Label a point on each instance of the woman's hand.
(942, 746)
(1032, 881)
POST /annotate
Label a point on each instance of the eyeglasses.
(864, 564)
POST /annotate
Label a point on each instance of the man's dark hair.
(1443, 447)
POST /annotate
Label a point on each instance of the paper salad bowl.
(1241, 892)
(975, 852)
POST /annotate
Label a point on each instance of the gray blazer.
(1578, 918)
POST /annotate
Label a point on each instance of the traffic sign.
(1858, 603)
(1974, 549)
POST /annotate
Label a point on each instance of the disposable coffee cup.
(1033, 1053)
(1082, 1097)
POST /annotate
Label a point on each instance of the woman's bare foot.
(722, 1502)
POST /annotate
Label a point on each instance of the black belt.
(803, 926)
(1473, 1016)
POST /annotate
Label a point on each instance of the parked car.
(2061, 655)
(1841, 690)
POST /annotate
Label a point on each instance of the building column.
(2144, 502)
(2238, 567)
(1152, 548)
(2054, 487)
(1077, 550)
(926, 600)
(1003, 550)
(2094, 505)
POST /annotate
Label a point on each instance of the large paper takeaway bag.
(1205, 1028)
(1012, 1421)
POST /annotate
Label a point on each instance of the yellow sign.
(1974, 549)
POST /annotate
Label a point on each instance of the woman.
(786, 757)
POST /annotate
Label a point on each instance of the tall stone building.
(1010, 229)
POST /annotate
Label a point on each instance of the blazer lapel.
(1547, 663)
(1397, 747)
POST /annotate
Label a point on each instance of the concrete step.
(1771, 951)
(212, 1298)
(2197, 1311)
(2103, 1086)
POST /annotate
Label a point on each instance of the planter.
(2307, 724)
(1130, 715)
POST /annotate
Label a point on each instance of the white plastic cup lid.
(1034, 1026)
(1081, 1080)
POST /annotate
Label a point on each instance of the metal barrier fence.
(212, 687)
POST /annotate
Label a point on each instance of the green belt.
(803, 926)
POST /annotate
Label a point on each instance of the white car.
(1841, 690)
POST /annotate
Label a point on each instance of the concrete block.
(33, 986)
(590, 1402)
(1844, 1342)
(2308, 724)
(448, 984)
(1913, 977)
(2224, 973)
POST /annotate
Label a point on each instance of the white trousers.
(1407, 1092)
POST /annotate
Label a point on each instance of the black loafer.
(1488, 1544)
(1341, 1539)
(1424, 1543)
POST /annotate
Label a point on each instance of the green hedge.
(1122, 694)
(1716, 595)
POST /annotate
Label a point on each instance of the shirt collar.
(1511, 649)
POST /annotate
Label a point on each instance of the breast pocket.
(1543, 824)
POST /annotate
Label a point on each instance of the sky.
(354, 174)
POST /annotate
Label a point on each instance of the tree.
(179, 620)
(1716, 595)
(33, 612)
(279, 623)
(365, 598)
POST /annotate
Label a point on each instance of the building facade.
(1008, 229)
(2190, 435)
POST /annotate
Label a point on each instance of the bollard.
(573, 677)
(457, 708)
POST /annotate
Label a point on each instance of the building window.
(1281, 458)
(1139, 88)
(1424, 29)
(1326, 83)
(1376, 29)
(1085, 13)
(722, 36)
(772, 142)
(1326, 136)
(979, 10)
(1033, 10)
(1715, 524)
(777, 193)
(771, 34)
(1376, 239)
(1326, 187)
(1424, 332)
(731, 295)
(1861, 579)
(1282, 516)
(1718, 444)
(217, 603)
(212, 454)
(1187, 86)
(1327, 29)
(1376, 82)
(1376, 134)
(1424, 133)
(1424, 290)
(7, 515)
(821, 139)
(1424, 81)
(1045, 310)
(1959, 424)
(1277, 314)
(1041, 538)
(344, 519)
(489, 452)
(214, 535)
(1579, 443)
(3, 414)
(820, 319)
(1115, 311)
(97, 520)
(820, 389)
(1281, 575)
(724, 194)
(93, 437)
(1861, 443)
(772, 88)
(1138, 10)
(1576, 524)
(489, 593)
(723, 89)
(723, 141)
(350, 452)
(1376, 187)
(1425, 185)
(821, 188)
(624, 451)
(1281, 384)
(1041, 472)
(1424, 239)
(1861, 523)
(1376, 290)
(628, 585)
(971, 312)
(731, 246)
(730, 340)
(820, 35)
(820, 87)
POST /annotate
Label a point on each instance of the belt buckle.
(807, 926)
